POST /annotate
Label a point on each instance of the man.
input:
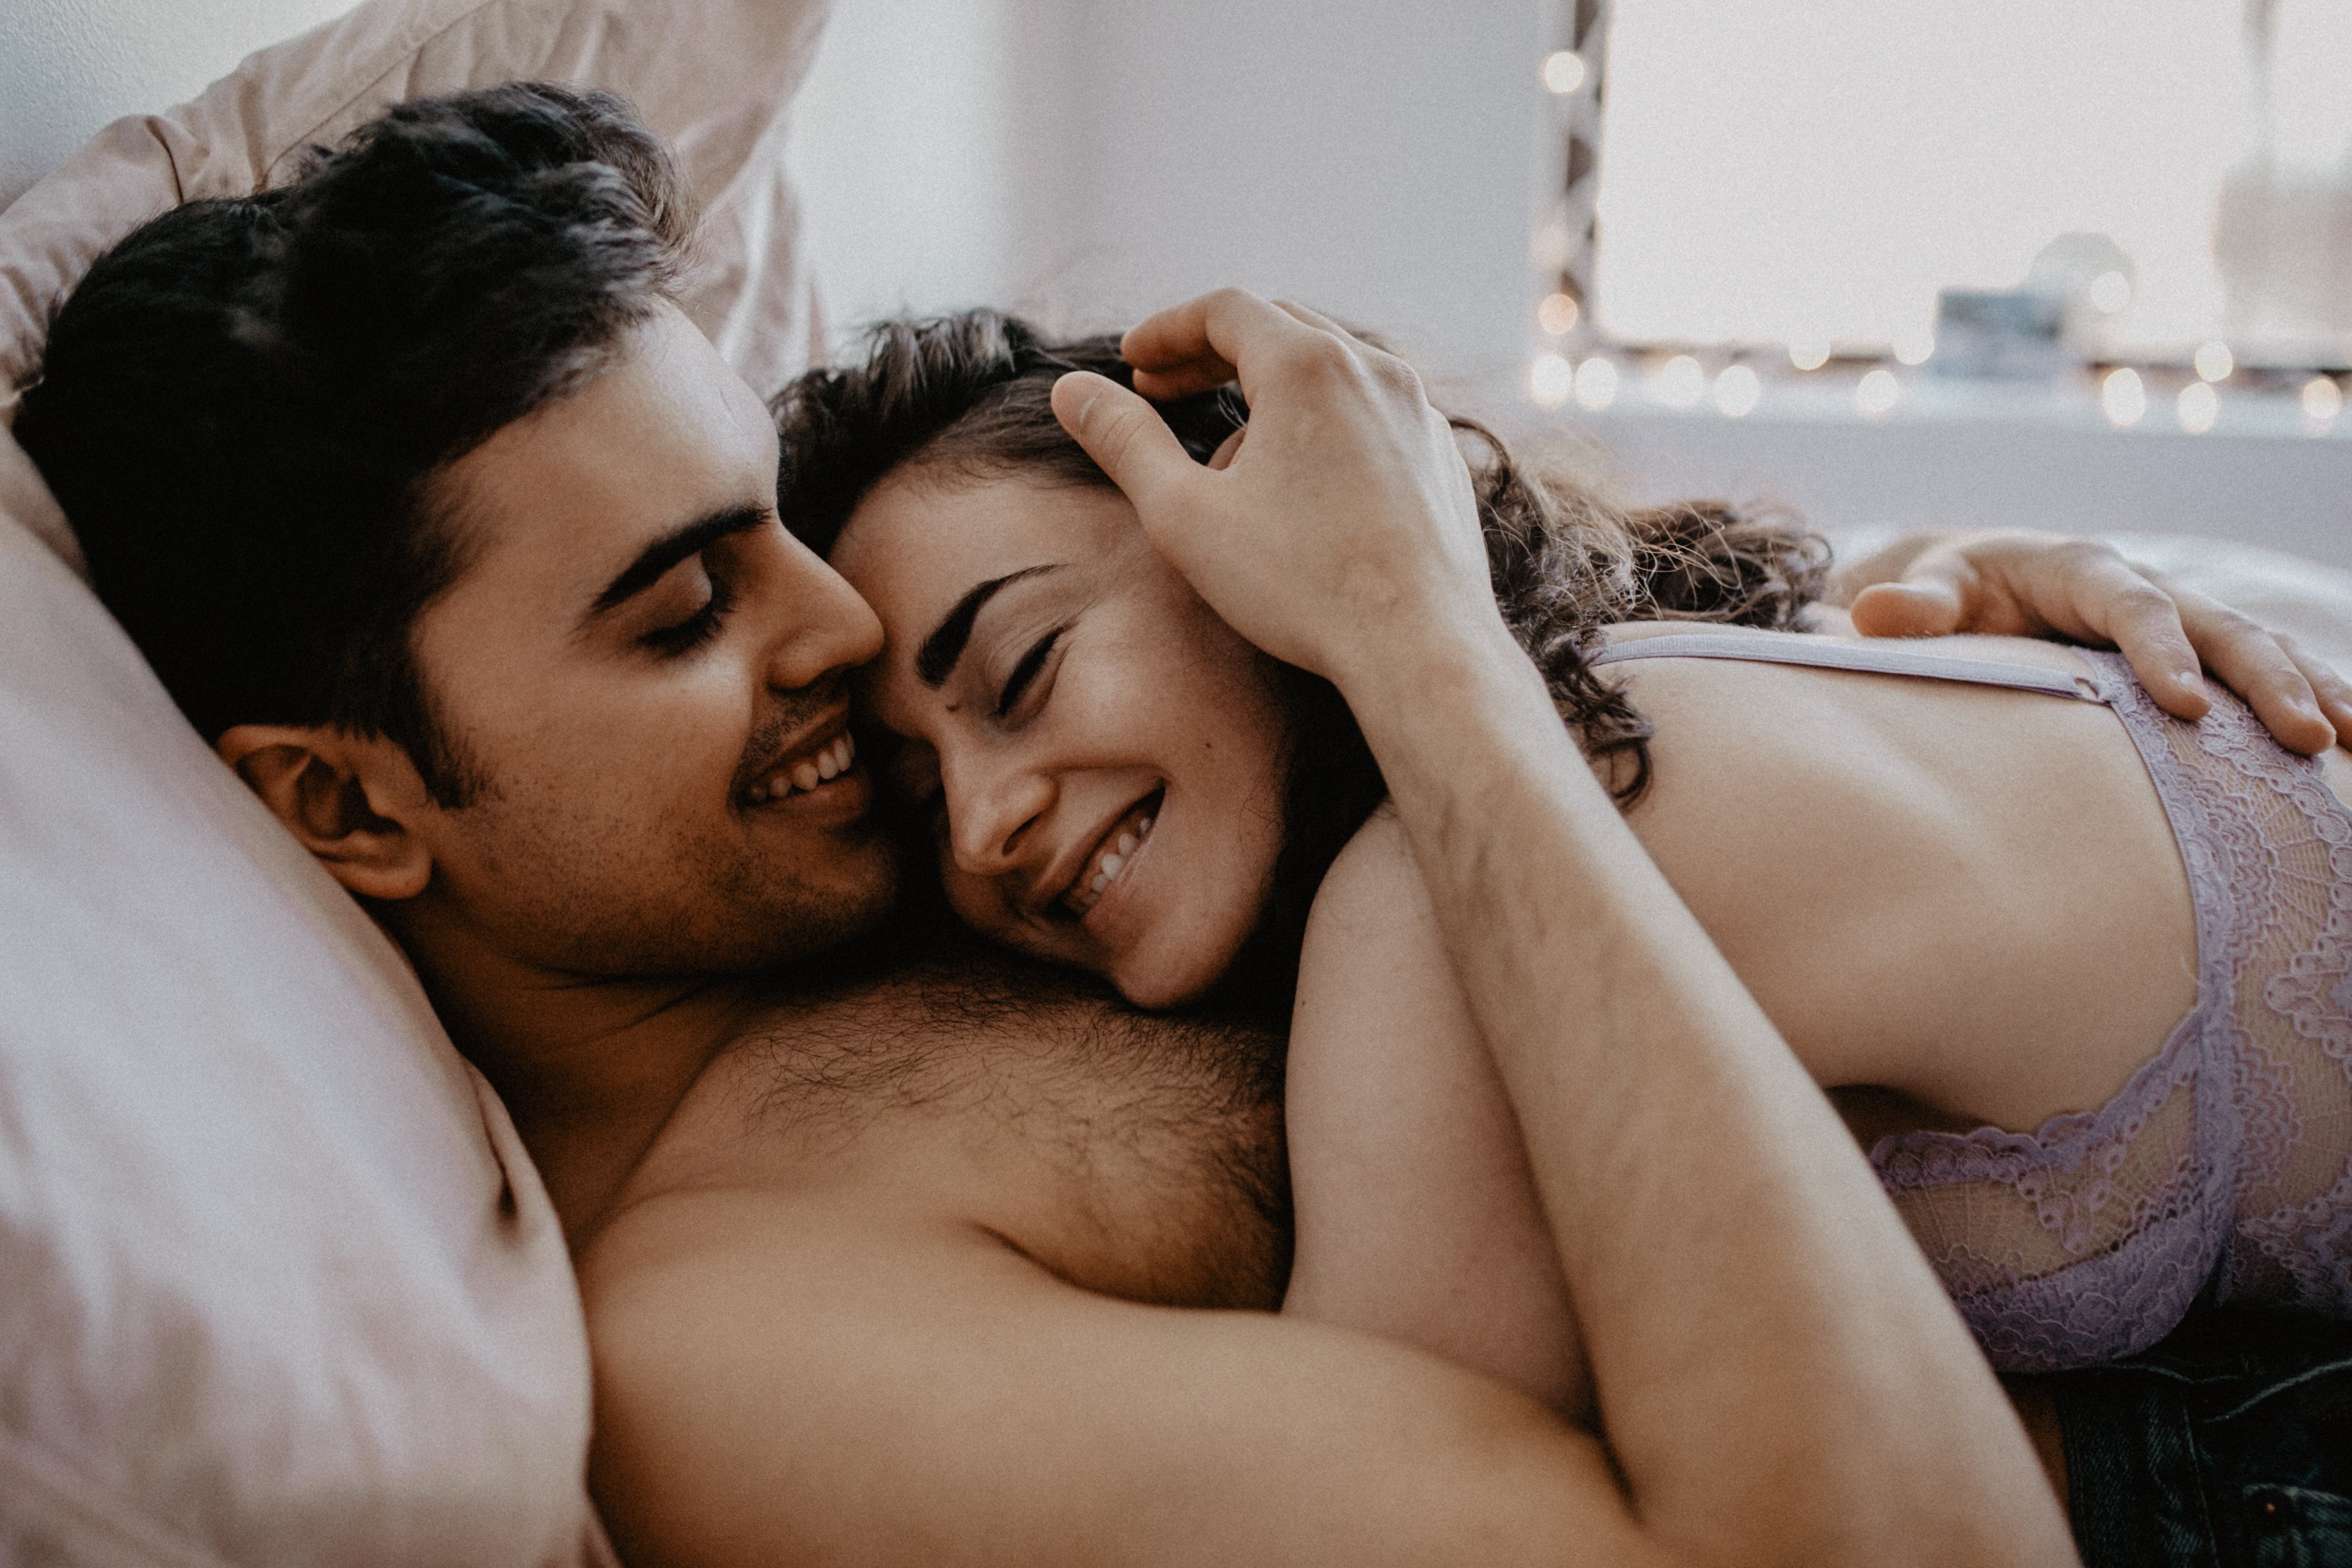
(460, 543)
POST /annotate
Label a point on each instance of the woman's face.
(1104, 757)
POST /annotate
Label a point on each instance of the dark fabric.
(2228, 1445)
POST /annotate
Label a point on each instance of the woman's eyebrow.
(937, 658)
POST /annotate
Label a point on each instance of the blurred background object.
(1904, 245)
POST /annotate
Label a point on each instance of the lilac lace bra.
(2227, 1159)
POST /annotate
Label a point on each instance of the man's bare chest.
(1135, 1155)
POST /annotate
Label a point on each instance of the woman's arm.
(1416, 1213)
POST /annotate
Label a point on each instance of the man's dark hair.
(245, 406)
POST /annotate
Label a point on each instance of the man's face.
(637, 660)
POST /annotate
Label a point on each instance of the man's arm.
(1779, 1376)
(783, 1380)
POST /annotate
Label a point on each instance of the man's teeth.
(830, 762)
(1113, 860)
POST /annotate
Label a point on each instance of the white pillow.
(713, 77)
(277, 1281)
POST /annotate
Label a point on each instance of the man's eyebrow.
(674, 547)
(936, 659)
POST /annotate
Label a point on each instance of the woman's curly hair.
(970, 394)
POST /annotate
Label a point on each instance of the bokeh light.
(2123, 396)
(1876, 393)
(2198, 406)
(1557, 314)
(1810, 354)
(1736, 390)
(1563, 71)
(2323, 400)
(2215, 361)
(1681, 382)
(1596, 384)
(1916, 348)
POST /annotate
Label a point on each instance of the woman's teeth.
(1119, 849)
(830, 762)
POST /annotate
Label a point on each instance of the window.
(1770, 174)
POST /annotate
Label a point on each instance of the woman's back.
(1985, 906)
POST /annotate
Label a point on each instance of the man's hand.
(2034, 584)
(1345, 520)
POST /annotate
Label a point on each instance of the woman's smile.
(1107, 869)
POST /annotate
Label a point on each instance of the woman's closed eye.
(1025, 673)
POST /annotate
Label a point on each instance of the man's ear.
(353, 802)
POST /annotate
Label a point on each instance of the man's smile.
(804, 770)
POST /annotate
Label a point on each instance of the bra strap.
(1874, 658)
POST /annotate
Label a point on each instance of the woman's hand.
(2021, 583)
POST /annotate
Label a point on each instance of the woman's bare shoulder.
(1372, 886)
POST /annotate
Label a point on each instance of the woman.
(2073, 977)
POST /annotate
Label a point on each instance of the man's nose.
(825, 626)
(992, 806)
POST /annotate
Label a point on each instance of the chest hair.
(1155, 1139)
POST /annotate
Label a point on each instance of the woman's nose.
(993, 803)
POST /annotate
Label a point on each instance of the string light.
(1549, 380)
(2215, 361)
(1916, 348)
(1876, 393)
(2198, 406)
(1563, 71)
(2123, 396)
(2323, 400)
(1809, 354)
(1596, 384)
(1736, 390)
(1681, 382)
(1558, 313)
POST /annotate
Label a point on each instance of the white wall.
(903, 150)
(68, 67)
(1088, 160)
(2283, 493)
